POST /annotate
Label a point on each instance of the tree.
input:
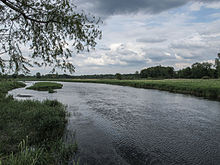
(158, 72)
(217, 65)
(200, 70)
(118, 76)
(185, 73)
(46, 28)
(38, 75)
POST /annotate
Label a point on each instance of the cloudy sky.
(145, 33)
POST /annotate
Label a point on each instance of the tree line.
(197, 70)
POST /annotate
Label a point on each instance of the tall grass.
(5, 86)
(42, 122)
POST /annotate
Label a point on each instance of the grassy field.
(46, 86)
(207, 88)
(31, 131)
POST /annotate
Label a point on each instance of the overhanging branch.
(10, 5)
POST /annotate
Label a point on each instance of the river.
(125, 125)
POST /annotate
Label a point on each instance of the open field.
(31, 131)
(209, 88)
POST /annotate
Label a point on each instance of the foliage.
(45, 86)
(118, 76)
(185, 73)
(217, 65)
(38, 75)
(46, 27)
(157, 72)
(200, 70)
(26, 155)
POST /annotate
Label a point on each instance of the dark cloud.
(111, 7)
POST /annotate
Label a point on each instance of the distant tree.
(185, 73)
(38, 75)
(158, 72)
(21, 76)
(118, 76)
(57, 75)
(15, 75)
(217, 65)
(47, 27)
(200, 70)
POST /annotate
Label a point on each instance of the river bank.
(209, 89)
(31, 131)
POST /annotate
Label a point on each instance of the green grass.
(46, 86)
(5, 86)
(31, 131)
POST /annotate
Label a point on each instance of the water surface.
(125, 125)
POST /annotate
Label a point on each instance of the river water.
(125, 125)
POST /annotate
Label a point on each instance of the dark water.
(124, 125)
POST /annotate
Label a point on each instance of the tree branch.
(10, 5)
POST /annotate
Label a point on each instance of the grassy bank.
(209, 88)
(45, 86)
(5, 86)
(31, 131)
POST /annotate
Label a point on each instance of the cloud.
(158, 55)
(113, 7)
(151, 40)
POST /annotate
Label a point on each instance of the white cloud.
(196, 6)
(214, 5)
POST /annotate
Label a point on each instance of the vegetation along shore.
(46, 86)
(31, 131)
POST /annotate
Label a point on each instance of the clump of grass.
(50, 90)
(46, 86)
(56, 152)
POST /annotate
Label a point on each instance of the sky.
(145, 33)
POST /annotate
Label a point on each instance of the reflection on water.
(124, 125)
